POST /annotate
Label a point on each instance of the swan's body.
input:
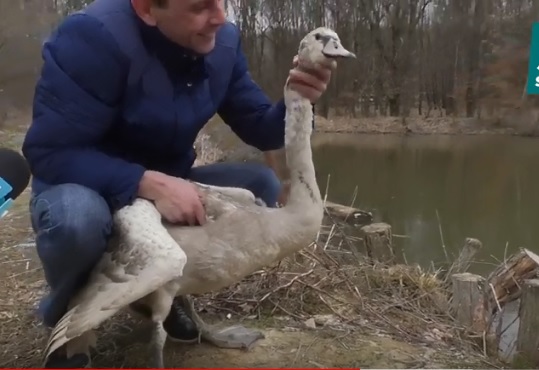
(151, 262)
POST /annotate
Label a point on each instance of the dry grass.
(328, 279)
(412, 125)
(519, 120)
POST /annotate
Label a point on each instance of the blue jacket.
(115, 98)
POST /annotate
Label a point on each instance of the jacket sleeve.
(249, 112)
(75, 103)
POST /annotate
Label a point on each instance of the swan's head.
(322, 45)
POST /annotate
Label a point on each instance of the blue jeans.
(73, 223)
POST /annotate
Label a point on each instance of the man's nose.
(219, 15)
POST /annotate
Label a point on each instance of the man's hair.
(160, 3)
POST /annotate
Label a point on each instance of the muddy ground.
(358, 337)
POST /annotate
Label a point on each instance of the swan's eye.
(318, 36)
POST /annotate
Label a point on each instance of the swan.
(150, 261)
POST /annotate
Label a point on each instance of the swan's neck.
(304, 191)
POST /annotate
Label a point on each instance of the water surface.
(481, 186)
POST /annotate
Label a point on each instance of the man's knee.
(266, 185)
(257, 178)
(70, 220)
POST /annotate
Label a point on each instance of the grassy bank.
(524, 123)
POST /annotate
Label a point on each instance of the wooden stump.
(467, 253)
(350, 215)
(507, 279)
(378, 240)
(468, 301)
(528, 331)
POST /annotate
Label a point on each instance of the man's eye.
(199, 7)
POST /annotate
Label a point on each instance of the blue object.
(5, 202)
(115, 98)
(533, 67)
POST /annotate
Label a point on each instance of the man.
(126, 85)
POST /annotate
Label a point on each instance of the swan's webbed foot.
(236, 336)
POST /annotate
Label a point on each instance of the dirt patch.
(290, 347)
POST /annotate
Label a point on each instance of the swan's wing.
(145, 258)
(220, 201)
(240, 195)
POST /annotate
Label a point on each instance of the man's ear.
(144, 9)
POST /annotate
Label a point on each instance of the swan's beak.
(334, 49)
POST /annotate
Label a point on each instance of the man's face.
(192, 24)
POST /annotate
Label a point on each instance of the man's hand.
(310, 81)
(176, 199)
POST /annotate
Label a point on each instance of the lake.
(468, 186)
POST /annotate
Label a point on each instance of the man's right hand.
(176, 199)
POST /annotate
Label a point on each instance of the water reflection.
(483, 187)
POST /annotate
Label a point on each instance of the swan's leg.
(159, 336)
(161, 302)
(231, 337)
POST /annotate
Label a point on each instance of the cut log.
(527, 338)
(468, 303)
(349, 215)
(507, 278)
(378, 240)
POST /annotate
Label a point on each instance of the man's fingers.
(323, 73)
(308, 79)
(200, 213)
(319, 71)
(189, 217)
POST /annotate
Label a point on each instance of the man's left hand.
(310, 81)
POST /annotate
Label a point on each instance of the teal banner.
(533, 67)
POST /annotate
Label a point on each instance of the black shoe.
(179, 326)
(59, 360)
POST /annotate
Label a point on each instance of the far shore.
(423, 126)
